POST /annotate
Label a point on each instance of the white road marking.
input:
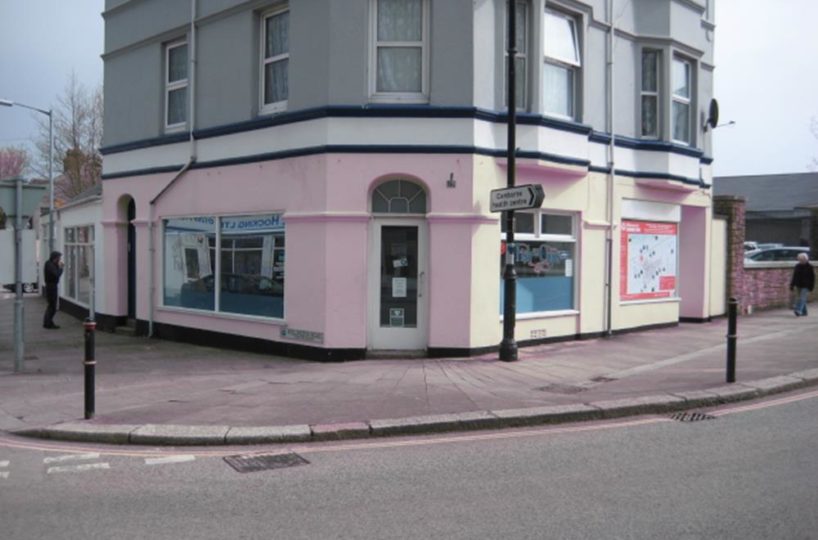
(77, 468)
(4, 474)
(4, 464)
(169, 459)
(71, 457)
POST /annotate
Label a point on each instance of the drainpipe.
(191, 160)
(611, 174)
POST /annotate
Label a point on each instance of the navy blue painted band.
(407, 149)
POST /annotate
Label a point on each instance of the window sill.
(416, 99)
(671, 299)
(176, 128)
(545, 315)
(222, 315)
(273, 108)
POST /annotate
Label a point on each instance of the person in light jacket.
(52, 273)
(803, 282)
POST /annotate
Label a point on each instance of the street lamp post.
(8, 103)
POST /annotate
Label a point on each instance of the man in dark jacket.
(52, 273)
(803, 281)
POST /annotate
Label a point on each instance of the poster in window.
(648, 260)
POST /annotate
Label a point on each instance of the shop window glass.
(189, 270)
(230, 264)
(544, 262)
(252, 265)
(79, 257)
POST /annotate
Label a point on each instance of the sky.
(766, 77)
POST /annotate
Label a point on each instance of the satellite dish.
(712, 114)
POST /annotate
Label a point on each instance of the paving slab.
(151, 391)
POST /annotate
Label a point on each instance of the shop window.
(252, 265)
(79, 258)
(649, 260)
(245, 275)
(399, 197)
(400, 50)
(189, 279)
(544, 260)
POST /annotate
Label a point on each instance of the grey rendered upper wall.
(330, 56)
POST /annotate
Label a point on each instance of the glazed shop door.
(397, 285)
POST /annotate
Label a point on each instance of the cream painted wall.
(718, 267)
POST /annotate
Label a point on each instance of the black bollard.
(732, 315)
(90, 365)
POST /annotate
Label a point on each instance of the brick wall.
(754, 288)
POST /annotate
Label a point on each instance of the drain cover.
(255, 463)
(691, 417)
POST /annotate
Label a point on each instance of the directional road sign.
(517, 198)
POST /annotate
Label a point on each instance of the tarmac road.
(749, 472)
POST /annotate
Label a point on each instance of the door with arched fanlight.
(398, 307)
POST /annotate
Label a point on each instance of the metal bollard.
(90, 365)
(732, 315)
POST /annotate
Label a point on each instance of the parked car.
(750, 246)
(27, 287)
(774, 254)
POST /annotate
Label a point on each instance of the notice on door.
(396, 317)
(398, 287)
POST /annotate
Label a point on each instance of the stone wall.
(754, 288)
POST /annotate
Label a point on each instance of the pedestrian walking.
(52, 273)
(802, 282)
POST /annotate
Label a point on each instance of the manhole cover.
(691, 417)
(255, 463)
(557, 388)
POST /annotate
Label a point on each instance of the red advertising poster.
(648, 256)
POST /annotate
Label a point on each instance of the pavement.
(155, 392)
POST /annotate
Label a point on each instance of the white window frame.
(398, 97)
(656, 94)
(539, 236)
(277, 106)
(684, 100)
(73, 275)
(574, 67)
(521, 4)
(176, 85)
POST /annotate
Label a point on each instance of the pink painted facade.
(325, 202)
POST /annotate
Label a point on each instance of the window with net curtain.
(650, 92)
(276, 60)
(176, 85)
(561, 64)
(682, 98)
(399, 46)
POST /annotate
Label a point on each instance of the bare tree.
(13, 162)
(77, 122)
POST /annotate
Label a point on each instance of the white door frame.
(397, 338)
